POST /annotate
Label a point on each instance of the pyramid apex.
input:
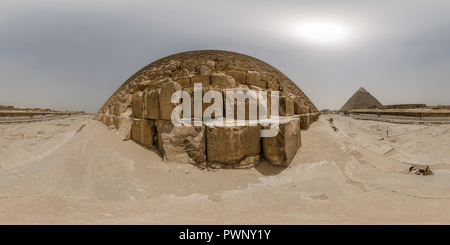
(361, 89)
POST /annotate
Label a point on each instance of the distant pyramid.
(362, 99)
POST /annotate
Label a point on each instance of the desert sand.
(77, 171)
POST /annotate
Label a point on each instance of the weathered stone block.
(184, 82)
(205, 71)
(180, 73)
(231, 145)
(165, 96)
(223, 81)
(273, 86)
(204, 80)
(152, 104)
(143, 132)
(124, 130)
(143, 85)
(281, 149)
(266, 77)
(297, 106)
(184, 144)
(254, 78)
(127, 99)
(305, 120)
(107, 120)
(137, 104)
(117, 121)
(239, 76)
(102, 119)
(286, 106)
(120, 108)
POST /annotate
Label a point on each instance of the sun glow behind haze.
(322, 32)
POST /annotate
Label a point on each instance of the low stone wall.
(405, 113)
(30, 113)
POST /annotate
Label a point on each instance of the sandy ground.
(49, 174)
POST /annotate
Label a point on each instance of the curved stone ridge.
(141, 110)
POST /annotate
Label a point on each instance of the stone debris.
(420, 170)
(141, 110)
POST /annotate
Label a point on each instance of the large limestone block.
(184, 82)
(205, 71)
(254, 78)
(231, 145)
(314, 115)
(152, 103)
(120, 108)
(305, 120)
(111, 108)
(127, 99)
(124, 131)
(286, 106)
(273, 86)
(185, 144)
(108, 120)
(297, 107)
(223, 81)
(117, 121)
(137, 104)
(143, 132)
(180, 73)
(165, 96)
(102, 118)
(143, 85)
(239, 76)
(281, 149)
(204, 80)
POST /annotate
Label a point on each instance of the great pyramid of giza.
(361, 99)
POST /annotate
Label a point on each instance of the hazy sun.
(322, 32)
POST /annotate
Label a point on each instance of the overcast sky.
(72, 55)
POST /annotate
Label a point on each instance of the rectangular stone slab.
(223, 81)
(286, 106)
(230, 145)
(281, 149)
(143, 132)
(165, 96)
(239, 76)
(152, 104)
(305, 121)
(137, 104)
(254, 78)
(204, 80)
